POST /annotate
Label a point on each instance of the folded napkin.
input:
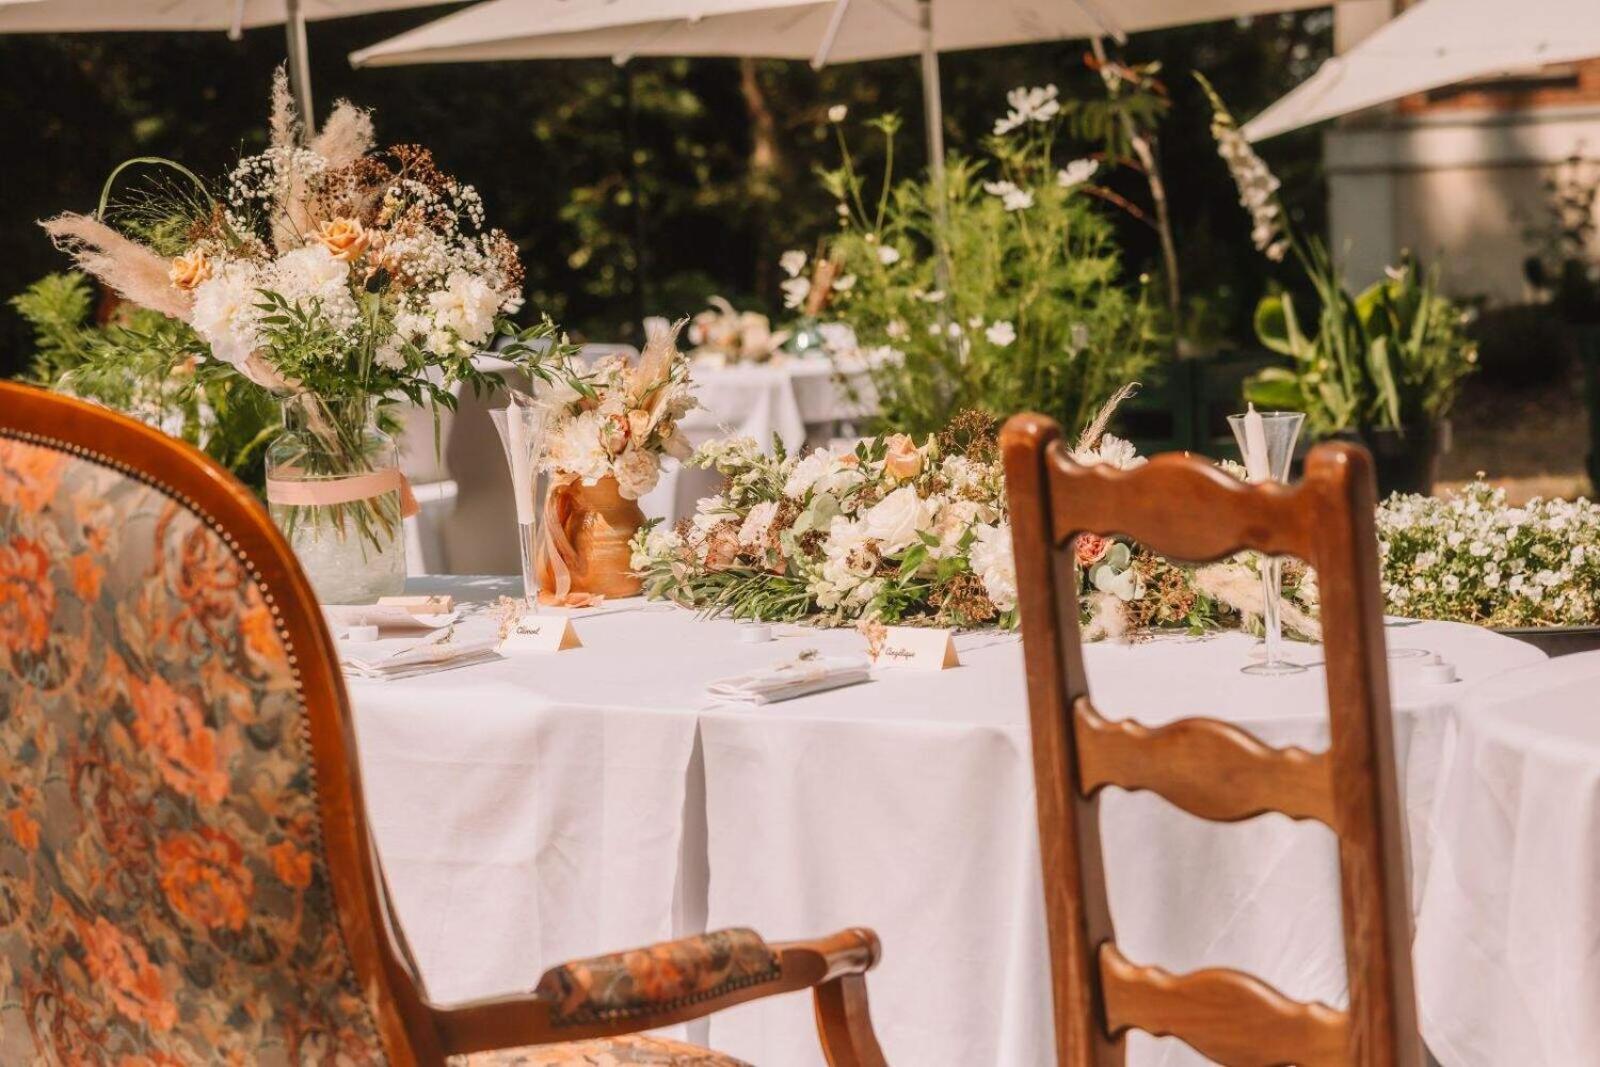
(795, 678)
(384, 617)
(393, 658)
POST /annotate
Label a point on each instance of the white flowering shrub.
(1468, 557)
(1002, 292)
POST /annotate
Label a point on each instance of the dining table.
(545, 806)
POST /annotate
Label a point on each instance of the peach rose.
(1091, 548)
(187, 272)
(903, 460)
(345, 239)
(614, 433)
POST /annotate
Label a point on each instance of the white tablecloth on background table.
(1508, 944)
(798, 400)
(552, 806)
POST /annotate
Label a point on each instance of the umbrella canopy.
(822, 31)
(232, 16)
(1437, 43)
(87, 16)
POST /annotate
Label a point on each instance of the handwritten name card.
(915, 648)
(541, 633)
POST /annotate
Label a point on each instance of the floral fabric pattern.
(649, 979)
(163, 893)
(632, 1051)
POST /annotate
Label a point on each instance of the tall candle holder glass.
(522, 425)
(1266, 441)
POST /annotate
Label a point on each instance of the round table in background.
(1508, 940)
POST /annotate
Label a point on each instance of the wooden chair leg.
(845, 1025)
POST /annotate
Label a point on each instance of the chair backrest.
(1189, 510)
(185, 871)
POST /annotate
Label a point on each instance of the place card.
(913, 648)
(541, 633)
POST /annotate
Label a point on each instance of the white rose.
(466, 305)
(575, 448)
(637, 472)
(896, 519)
(992, 561)
(225, 312)
(805, 473)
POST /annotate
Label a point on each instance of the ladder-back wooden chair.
(186, 870)
(1188, 510)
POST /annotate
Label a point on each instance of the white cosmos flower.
(1001, 334)
(1012, 197)
(1077, 172)
(795, 291)
(1028, 105)
(792, 262)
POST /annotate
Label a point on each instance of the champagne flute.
(521, 425)
(1266, 441)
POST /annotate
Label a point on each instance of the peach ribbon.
(324, 492)
(557, 556)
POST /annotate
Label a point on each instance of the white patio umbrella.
(1437, 43)
(822, 31)
(231, 16)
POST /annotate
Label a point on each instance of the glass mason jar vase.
(335, 489)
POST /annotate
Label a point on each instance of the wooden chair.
(1187, 509)
(186, 871)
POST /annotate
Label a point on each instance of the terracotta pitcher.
(595, 523)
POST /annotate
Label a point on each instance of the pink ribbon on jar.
(325, 492)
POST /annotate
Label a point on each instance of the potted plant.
(1382, 367)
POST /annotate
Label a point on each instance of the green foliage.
(150, 367)
(1003, 294)
(1391, 357)
(553, 147)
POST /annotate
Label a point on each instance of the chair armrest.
(646, 988)
(662, 977)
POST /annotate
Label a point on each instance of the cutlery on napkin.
(794, 678)
(403, 658)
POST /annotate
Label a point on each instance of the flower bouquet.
(606, 430)
(722, 336)
(339, 278)
(902, 533)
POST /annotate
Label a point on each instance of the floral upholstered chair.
(186, 873)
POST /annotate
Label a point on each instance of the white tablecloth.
(1508, 944)
(552, 806)
(798, 400)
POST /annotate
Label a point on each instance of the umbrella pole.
(294, 28)
(932, 103)
(933, 123)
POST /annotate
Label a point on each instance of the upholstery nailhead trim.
(620, 1014)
